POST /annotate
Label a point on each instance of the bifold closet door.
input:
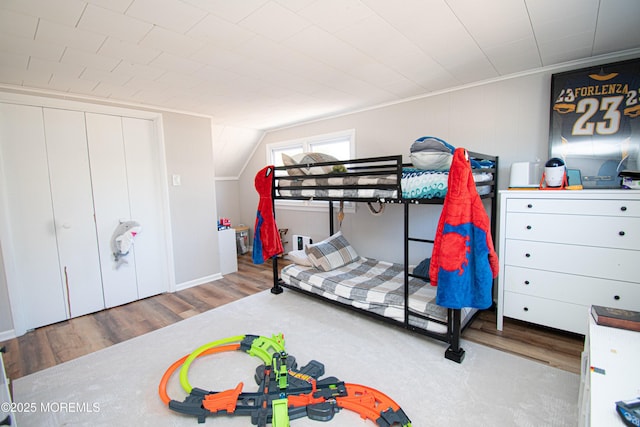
(107, 160)
(72, 198)
(145, 200)
(30, 248)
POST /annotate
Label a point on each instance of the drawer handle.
(623, 208)
(621, 233)
(528, 227)
(616, 297)
(526, 309)
(530, 206)
(527, 255)
(526, 282)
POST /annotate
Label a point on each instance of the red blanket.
(266, 238)
(464, 262)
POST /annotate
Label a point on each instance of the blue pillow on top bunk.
(431, 153)
(333, 252)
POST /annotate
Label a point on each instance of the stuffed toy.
(266, 238)
(122, 240)
(463, 262)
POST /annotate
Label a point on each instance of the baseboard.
(7, 335)
(200, 281)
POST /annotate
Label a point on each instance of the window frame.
(306, 144)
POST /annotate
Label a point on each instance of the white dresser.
(562, 251)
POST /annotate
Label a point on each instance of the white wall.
(508, 118)
(228, 203)
(189, 154)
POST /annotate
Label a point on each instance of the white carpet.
(118, 385)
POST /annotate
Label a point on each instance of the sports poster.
(595, 121)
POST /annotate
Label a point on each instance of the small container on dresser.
(562, 251)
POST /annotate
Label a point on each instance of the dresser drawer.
(623, 208)
(581, 290)
(606, 231)
(605, 263)
(555, 314)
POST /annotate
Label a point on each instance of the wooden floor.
(54, 344)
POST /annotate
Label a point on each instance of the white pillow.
(300, 257)
(333, 252)
(432, 160)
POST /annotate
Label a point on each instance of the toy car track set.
(285, 392)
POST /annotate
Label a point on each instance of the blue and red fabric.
(266, 237)
(463, 262)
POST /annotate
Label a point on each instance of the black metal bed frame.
(380, 166)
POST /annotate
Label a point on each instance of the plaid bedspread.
(415, 184)
(375, 286)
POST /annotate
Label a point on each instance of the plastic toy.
(284, 392)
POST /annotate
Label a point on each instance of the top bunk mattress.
(415, 184)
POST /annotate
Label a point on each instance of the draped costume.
(464, 262)
(266, 237)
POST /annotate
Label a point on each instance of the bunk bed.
(397, 294)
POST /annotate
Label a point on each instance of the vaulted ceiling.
(261, 64)
(254, 65)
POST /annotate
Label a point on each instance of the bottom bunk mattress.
(375, 286)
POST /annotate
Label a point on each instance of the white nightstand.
(5, 397)
(610, 373)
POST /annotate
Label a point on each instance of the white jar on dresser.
(562, 251)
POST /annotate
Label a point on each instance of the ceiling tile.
(83, 59)
(131, 52)
(65, 84)
(274, 22)
(219, 32)
(160, 39)
(17, 24)
(232, 11)
(51, 32)
(295, 5)
(38, 78)
(117, 25)
(132, 69)
(167, 61)
(14, 60)
(493, 22)
(119, 6)
(516, 56)
(335, 15)
(106, 77)
(53, 67)
(30, 47)
(12, 75)
(618, 26)
(173, 15)
(64, 12)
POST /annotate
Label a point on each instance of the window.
(340, 145)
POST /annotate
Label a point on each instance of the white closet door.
(73, 210)
(145, 199)
(111, 202)
(30, 242)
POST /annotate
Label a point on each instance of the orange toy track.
(162, 388)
